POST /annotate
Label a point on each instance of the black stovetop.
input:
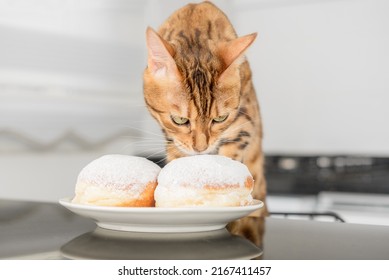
(310, 175)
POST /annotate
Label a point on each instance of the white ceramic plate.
(154, 219)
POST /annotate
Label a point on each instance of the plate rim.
(66, 202)
(111, 217)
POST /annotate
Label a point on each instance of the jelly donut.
(117, 180)
(204, 180)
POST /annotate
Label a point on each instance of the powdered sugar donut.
(117, 180)
(204, 180)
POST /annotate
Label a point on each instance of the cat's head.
(194, 91)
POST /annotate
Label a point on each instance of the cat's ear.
(160, 56)
(232, 52)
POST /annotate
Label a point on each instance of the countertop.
(35, 230)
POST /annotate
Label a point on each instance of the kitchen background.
(71, 91)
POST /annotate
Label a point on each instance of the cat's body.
(198, 87)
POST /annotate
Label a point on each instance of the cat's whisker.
(145, 142)
(142, 130)
(152, 152)
(175, 153)
(155, 153)
(146, 137)
(161, 160)
(180, 145)
(140, 138)
(151, 146)
(147, 151)
(148, 147)
(140, 143)
(149, 141)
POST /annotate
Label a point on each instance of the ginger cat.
(198, 86)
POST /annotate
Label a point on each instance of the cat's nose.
(199, 150)
(200, 142)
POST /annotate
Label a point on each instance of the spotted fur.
(197, 71)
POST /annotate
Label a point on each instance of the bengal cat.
(198, 86)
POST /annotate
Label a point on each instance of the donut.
(117, 180)
(204, 180)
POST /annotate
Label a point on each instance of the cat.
(198, 87)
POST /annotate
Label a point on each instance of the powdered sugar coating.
(119, 173)
(202, 170)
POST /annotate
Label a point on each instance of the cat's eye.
(180, 120)
(220, 119)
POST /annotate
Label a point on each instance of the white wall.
(102, 20)
(70, 90)
(321, 72)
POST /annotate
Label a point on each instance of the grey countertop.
(33, 230)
